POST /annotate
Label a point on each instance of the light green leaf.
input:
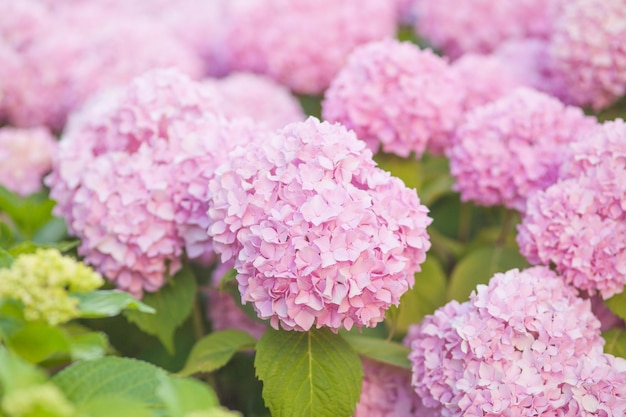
(173, 304)
(115, 377)
(88, 346)
(6, 259)
(314, 373)
(16, 373)
(428, 294)
(36, 342)
(32, 247)
(615, 342)
(108, 303)
(215, 350)
(185, 395)
(382, 350)
(28, 213)
(479, 265)
(617, 304)
(409, 169)
(54, 230)
(113, 406)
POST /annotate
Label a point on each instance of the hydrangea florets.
(396, 96)
(260, 98)
(37, 401)
(319, 234)
(512, 147)
(457, 27)
(588, 51)
(43, 281)
(25, 157)
(303, 43)
(514, 349)
(130, 177)
(386, 392)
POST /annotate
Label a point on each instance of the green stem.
(197, 319)
(507, 224)
(465, 217)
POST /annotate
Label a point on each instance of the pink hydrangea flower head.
(23, 22)
(513, 349)
(386, 392)
(131, 169)
(319, 234)
(396, 96)
(588, 51)
(63, 68)
(303, 43)
(223, 311)
(486, 78)
(259, 98)
(512, 147)
(579, 226)
(457, 27)
(25, 157)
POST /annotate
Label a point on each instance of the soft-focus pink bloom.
(23, 22)
(457, 27)
(65, 65)
(319, 234)
(25, 157)
(259, 98)
(510, 148)
(525, 345)
(485, 78)
(386, 392)
(588, 51)
(130, 177)
(303, 43)
(224, 313)
(395, 95)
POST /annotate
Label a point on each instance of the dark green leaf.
(381, 350)
(615, 342)
(314, 373)
(173, 304)
(108, 303)
(215, 350)
(28, 213)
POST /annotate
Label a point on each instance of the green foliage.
(215, 350)
(185, 395)
(37, 342)
(108, 303)
(617, 304)
(30, 216)
(314, 373)
(615, 342)
(173, 304)
(381, 350)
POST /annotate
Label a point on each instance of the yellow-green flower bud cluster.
(44, 400)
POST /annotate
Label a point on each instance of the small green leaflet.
(108, 303)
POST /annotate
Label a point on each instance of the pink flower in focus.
(259, 98)
(319, 234)
(457, 27)
(513, 147)
(25, 157)
(131, 174)
(588, 51)
(397, 96)
(386, 392)
(525, 345)
(303, 43)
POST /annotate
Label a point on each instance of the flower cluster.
(319, 234)
(321, 34)
(588, 51)
(510, 148)
(43, 282)
(538, 353)
(578, 224)
(37, 400)
(25, 157)
(396, 96)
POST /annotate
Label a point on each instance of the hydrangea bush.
(312, 208)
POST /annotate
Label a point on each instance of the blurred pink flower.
(457, 27)
(510, 148)
(588, 51)
(523, 345)
(25, 157)
(396, 96)
(319, 234)
(303, 43)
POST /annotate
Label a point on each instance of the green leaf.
(7, 238)
(54, 230)
(311, 104)
(615, 342)
(32, 247)
(382, 350)
(215, 350)
(408, 169)
(16, 373)
(108, 303)
(111, 405)
(617, 304)
(28, 213)
(37, 342)
(173, 304)
(88, 346)
(116, 377)
(185, 395)
(478, 266)
(6, 259)
(427, 295)
(314, 373)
